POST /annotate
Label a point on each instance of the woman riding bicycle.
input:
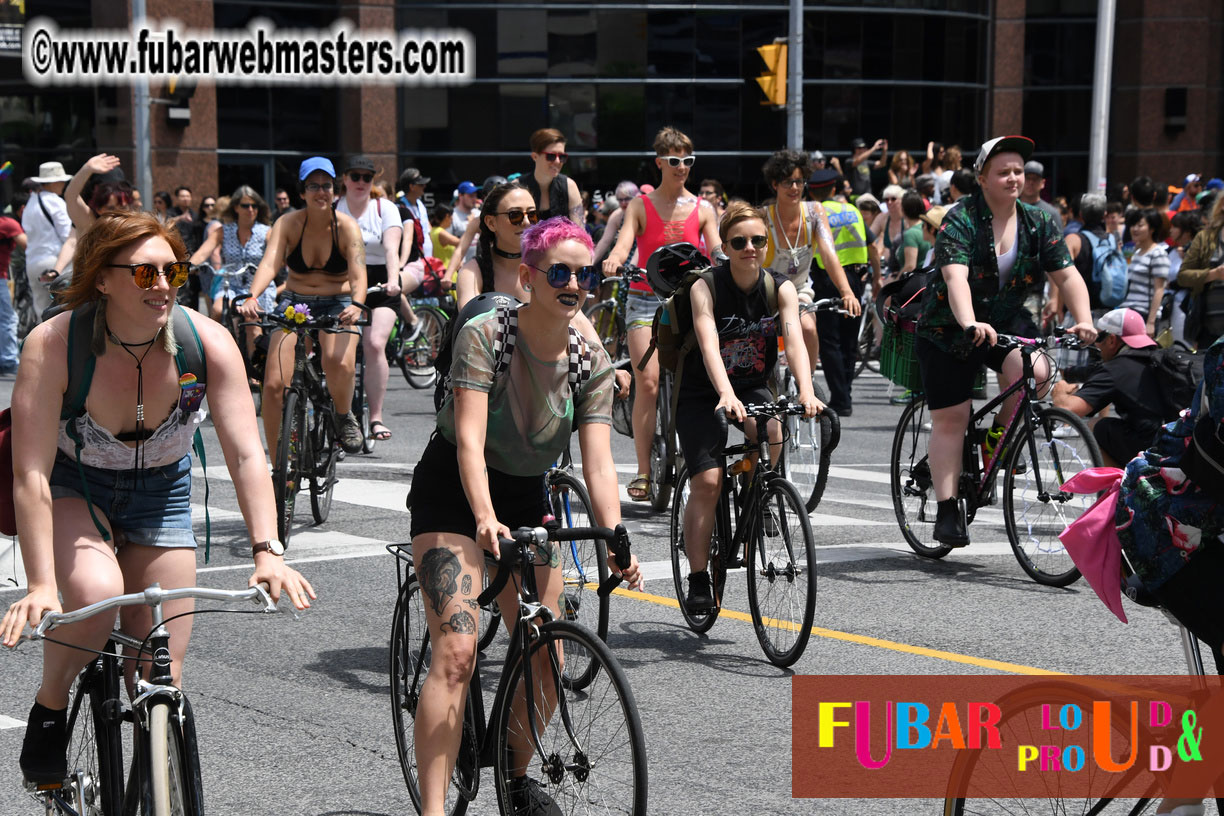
(325, 253)
(992, 250)
(482, 474)
(381, 230)
(103, 501)
(737, 342)
(242, 238)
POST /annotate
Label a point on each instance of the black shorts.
(376, 275)
(947, 380)
(701, 440)
(439, 505)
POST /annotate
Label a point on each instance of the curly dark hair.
(783, 164)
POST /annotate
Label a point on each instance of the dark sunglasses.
(740, 242)
(145, 274)
(249, 206)
(325, 187)
(516, 215)
(363, 177)
(791, 182)
(891, 199)
(676, 161)
(555, 157)
(589, 277)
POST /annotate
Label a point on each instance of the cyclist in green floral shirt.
(991, 250)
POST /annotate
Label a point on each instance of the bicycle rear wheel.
(698, 622)
(913, 493)
(417, 361)
(410, 658)
(782, 574)
(287, 474)
(323, 474)
(174, 762)
(662, 448)
(594, 752)
(95, 743)
(361, 402)
(1035, 507)
(584, 566)
(805, 451)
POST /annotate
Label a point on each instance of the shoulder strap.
(504, 338)
(190, 358)
(80, 361)
(579, 361)
(771, 292)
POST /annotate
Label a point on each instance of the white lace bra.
(100, 449)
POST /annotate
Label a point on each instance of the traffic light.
(773, 82)
(180, 91)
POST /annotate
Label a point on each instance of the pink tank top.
(660, 233)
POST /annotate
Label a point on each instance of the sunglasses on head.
(740, 242)
(362, 177)
(145, 274)
(555, 157)
(516, 215)
(324, 187)
(676, 161)
(589, 277)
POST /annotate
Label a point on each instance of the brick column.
(1007, 92)
(369, 113)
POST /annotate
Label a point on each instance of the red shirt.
(9, 230)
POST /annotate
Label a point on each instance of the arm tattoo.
(472, 603)
(461, 623)
(438, 573)
(822, 231)
(466, 586)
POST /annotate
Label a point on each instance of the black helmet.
(489, 184)
(484, 303)
(670, 263)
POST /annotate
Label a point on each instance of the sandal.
(639, 488)
(379, 432)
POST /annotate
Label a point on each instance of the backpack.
(408, 213)
(504, 336)
(1109, 269)
(1179, 373)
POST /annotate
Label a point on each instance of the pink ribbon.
(1092, 539)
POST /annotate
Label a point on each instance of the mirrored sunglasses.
(740, 242)
(145, 275)
(589, 277)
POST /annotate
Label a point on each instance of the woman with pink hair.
(508, 417)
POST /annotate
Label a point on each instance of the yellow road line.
(863, 640)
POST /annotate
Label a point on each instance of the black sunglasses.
(555, 157)
(740, 242)
(249, 206)
(517, 214)
(589, 277)
(145, 274)
(363, 177)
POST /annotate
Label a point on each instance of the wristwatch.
(272, 545)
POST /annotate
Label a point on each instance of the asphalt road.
(294, 712)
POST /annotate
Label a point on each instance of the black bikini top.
(336, 263)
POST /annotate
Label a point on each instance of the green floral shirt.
(966, 237)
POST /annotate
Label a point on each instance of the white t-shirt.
(46, 238)
(379, 216)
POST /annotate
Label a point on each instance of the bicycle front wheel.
(584, 566)
(782, 575)
(95, 743)
(417, 361)
(603, 317)
(913, 492)
(701, 621)
(805, 454)
(287, 474)
(1035, 507)
(662, 447)
(594, 753)
(323, 475)
(410, 659)
(174, 764)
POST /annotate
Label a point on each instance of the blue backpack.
(1109, 268)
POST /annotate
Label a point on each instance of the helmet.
(484, 303)
(489, 184)
(670, 263)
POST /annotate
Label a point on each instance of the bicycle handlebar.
(515, 551)
(154, 596)
(1061, 338)
(629, 273)
(329, 323)
(832, 304)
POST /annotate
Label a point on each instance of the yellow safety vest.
(849, 233)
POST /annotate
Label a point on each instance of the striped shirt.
(1144, 267)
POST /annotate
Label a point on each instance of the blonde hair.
(736, 212)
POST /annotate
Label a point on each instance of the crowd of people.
(1004, 259)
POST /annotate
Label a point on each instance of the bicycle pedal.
(43, 787)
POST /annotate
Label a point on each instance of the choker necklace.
(501, 253)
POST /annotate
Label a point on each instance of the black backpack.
(1179, 373)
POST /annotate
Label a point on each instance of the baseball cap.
(467, 188)
(857, 143)
(412, 176)
(1127, 324)
(1214, 184)
(817, 156)
(1034, 168)
(360, 162)
(823, 178)
(316, 163)
(1193, 177)
(1003, 144)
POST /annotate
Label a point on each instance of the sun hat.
(51, 172)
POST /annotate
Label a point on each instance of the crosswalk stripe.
(10, 722)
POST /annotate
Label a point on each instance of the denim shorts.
(149, 506)
(640, 309)
(320, 305)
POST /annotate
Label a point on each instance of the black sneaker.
(351, 437)
(527, 798)
(949, 526)
(699, 598)
(44, 751)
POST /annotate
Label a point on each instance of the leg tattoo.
(438, 573)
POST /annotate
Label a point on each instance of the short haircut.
(783, 164)
(1143, 191)
(1092, 209)
(892, 191)
(438, 214)
(1114, 208)
(544, 137)
(717, 185)
(1155, 223)
(181, 188)
(627, 189)
(964, 181)
(736, 212)
(912, 205)
(540, 238)
(669, 140)
(1188, 221)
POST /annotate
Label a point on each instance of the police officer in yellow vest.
(855, 247)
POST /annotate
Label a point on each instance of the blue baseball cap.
(467, 188)
(316, 163)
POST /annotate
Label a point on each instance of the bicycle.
(164, 772)
(1041, 448)
(243, 331)
(568, 726)
(416, 357)
(307, 447)
(772, 526)
(869, 335)
(810, 442)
